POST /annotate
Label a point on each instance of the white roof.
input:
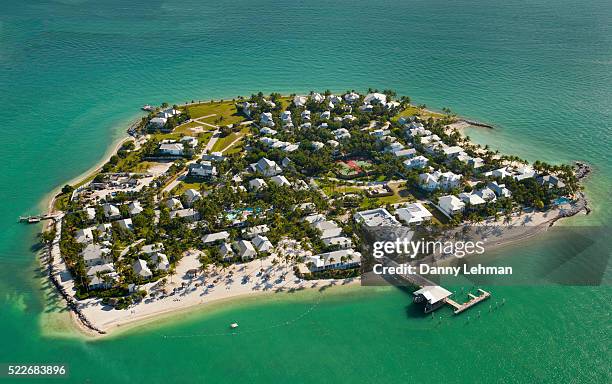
(376, 218)
(212, 237)
(433, 293)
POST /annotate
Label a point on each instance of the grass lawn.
(183, 186)
(333, 189)
(226, 109)
(187, 129)
(225, 141)
(438, 216)
(400, 195)
(413, 110)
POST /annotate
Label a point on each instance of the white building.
(245, 250)
(299, 101)
(266, 119)
(96, 254)
(262, 243)
(111, 212)
(471, 198)
(257, 184)
(125, 224)
(378, 217)
(217, 237)
(84, 235)
(341, 259)
(202, 169)
(141, 269)
(266, 167)
(134, 208)
(173, 203)
(417, 162)
(191, 196)
(451, 205)
(171, 149)
(341, 133)
(280, 181)
(414, 213)
(375, 98)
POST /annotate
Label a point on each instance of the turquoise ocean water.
(74, 73)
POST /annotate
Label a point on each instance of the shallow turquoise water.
(72, 73)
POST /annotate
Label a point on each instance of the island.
(210, 200)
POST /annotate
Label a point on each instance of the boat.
(147, 107)
(234, 325)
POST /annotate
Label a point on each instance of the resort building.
(191, 196)
(299, 101)
(134, 208)
(451, 205)
(472, 199)
(141, 269)
(83, 236)
(125, 224)
(251, 232)
(245, 250)
(96, 254)
(417, 162)
(257, 184)
(215, 238)
(173, 203)
(340, 242)
(101, 276)
(341, 259)
(171, 149)
(341, 133)
(499, 189)
(90, 212)
(262, 244)
(266, 167)
(414, 213)
(487, 194)
(188, 214)
(202, 169)
(378, 217)
(351, 97)
(111, 212)
(160, 261)
(439, 180)
(375, 98)
(226, 251)
(150, 249)
(189, 141)
(280, 181)
(266, 119)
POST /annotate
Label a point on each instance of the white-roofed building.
(141, 269)
(451, 205)
(134, 208)
(84, 235)
(245, 249)
(266, 167)
(414, 213)
(191, 196)
(432, 296)
(257, 184)
(217, 237)
(378, 217)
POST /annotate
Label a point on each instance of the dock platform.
(483, 295)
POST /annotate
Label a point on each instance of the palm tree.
(171, 272)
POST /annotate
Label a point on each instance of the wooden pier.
(422, 282)
(483, 295)
(36, 218)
